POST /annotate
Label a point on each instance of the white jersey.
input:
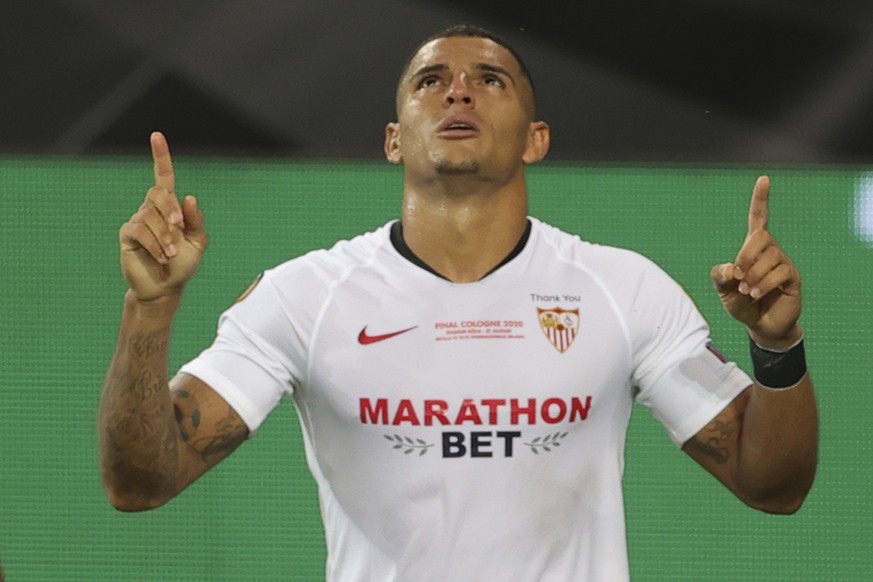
(470, 432)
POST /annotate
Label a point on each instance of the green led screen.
(255, 517)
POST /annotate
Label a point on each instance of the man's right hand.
(162, 243)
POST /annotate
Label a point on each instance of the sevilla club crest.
(560, 326)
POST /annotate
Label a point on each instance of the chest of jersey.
(490, 369)
(467, 399)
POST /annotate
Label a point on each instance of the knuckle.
(153, 217)
(141, 233)
(760, 235)
(161, 198)
(152, 246)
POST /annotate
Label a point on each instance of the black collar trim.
(404, 250)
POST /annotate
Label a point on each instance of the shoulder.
(330, 264)
(636, 284)
(303, 283)
(602, 260)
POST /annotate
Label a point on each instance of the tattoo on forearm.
(149, 383)
(150, 344)
(138, 434)
(124, 434)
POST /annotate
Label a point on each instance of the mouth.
(457, 127)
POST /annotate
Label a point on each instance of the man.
(464, 377)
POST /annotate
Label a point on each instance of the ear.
(538, 141)
(392, 143)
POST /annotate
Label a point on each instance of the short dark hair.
(475, 32)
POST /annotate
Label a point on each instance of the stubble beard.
(446, 167)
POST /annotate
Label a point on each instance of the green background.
(255, 517)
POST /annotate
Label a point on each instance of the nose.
(460, 91)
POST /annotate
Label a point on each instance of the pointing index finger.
(759, 213)
(164, 175)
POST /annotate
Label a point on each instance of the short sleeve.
(679, 375)
(258, 354)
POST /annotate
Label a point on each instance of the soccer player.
(464, 376)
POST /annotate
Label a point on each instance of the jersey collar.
(400, 245)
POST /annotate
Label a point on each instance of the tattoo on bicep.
(186, 410)
(229, 434)
(715, 440)
(711, 448)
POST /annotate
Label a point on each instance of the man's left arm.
(764, 445)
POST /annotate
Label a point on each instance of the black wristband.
(778, 369)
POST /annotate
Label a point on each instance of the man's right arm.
(157, 436)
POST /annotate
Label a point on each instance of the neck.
(462, 228)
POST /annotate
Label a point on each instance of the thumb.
(723, 277)
(195, 226)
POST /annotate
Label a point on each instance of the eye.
(428, 81)
(492, 79)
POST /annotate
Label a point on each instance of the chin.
(452, 168)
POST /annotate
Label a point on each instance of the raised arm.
(764, 445)
(157, 436)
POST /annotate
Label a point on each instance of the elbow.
(783, 495)
(783, 505)
(784, 500)
(131, 503)
(132, 495)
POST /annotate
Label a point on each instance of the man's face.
(463, 107)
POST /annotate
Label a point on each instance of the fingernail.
(176, 218)
(171, 250)
(163, 260)
(738, 273)
(744, 288)
(755, 293)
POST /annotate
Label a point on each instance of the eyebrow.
(478, 66)
(495, 69)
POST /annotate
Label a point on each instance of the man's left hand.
(761, 288)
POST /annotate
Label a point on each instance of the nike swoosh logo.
(365, 339)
